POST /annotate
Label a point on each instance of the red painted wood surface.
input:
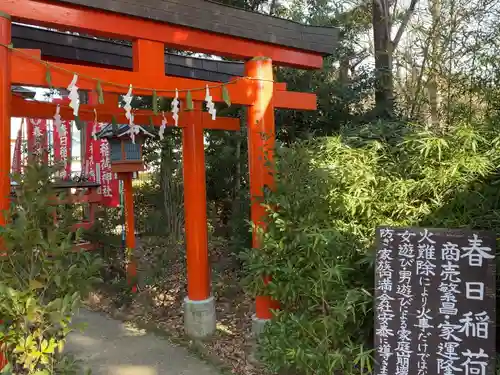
(98, 23)
(5, 65)
(130, 228)
(148, 57)
(195, 206)
(5, 98)
(28, 72)
(21, 107)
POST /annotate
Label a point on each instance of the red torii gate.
(257, 91)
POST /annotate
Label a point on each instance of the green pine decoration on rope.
(155, 102)
(114, 125)
(100, 93)
(48, 78)
(189, 101)
(78, 123)
(225, 95)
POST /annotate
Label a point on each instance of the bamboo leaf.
(151, 121)
(189, 101)
(225, 95)
(155, 103)
(100, 93)
(35, 284)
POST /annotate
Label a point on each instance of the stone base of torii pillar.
(199, 318)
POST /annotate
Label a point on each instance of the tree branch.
(404, 23)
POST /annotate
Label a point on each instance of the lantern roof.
(113, 131)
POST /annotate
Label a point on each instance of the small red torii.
(149, 37)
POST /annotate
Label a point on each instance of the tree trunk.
(237, 175)
(344, 71)
(384, 48)
(384, 100)
(236, 204)
(172, 195)
(432, 83)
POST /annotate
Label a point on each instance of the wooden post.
(195, 206)
(148, 57)
(5, 99)
(261, 140)
(199, 305)
(130, 230)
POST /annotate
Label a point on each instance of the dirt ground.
(158, 305)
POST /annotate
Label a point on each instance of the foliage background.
(43, 281)
(319, 247)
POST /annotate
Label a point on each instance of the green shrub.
(331, 194)
(42, 280)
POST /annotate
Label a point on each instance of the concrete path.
(110, 347)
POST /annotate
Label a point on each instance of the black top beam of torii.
(63, 46)
(223, 19)
(202, 15)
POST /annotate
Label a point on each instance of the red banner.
(62, 148)
(98, 166)
(16, 158)
(37, 139)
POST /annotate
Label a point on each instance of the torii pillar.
(5, 98)
(261, 142)
(199, 305)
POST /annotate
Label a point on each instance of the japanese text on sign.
(434, 302)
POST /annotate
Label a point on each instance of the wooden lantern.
(126, 156)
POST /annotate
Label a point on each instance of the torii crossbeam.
(257, 39)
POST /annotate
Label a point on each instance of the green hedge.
(331, 194)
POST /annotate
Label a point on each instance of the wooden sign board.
(434, 302)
